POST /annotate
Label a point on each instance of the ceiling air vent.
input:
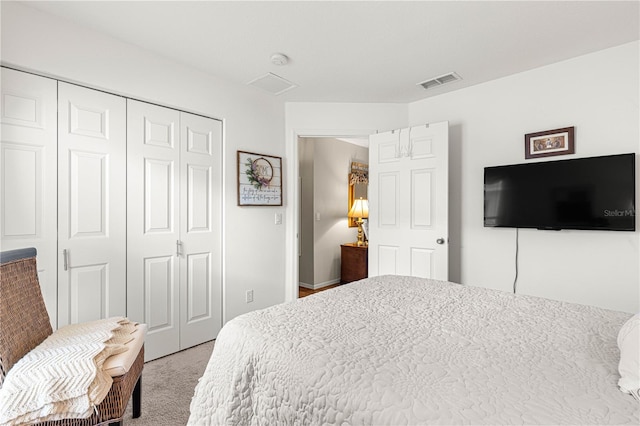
(272, 83)
(439, 81)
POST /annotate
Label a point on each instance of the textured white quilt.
(400, 350)
(62, 378)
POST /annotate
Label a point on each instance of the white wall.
(326, 119)
(253, 245)
(599, 95)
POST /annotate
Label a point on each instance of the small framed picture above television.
(549, 142)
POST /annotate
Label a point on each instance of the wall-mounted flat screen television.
(596, 193)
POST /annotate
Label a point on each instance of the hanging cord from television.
(515, 280)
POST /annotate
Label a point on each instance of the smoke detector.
(279, 59)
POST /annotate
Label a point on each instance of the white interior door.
(200, 206)
(408, 202)
(153, 219)
(91, 204)
(28, 167)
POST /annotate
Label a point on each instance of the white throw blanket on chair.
(62, 377)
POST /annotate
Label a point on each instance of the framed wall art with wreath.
(259, 179)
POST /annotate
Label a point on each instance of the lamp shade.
(360, 209)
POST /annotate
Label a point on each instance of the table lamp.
(360, 210)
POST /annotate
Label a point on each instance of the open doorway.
(324, 165)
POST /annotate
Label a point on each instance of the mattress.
(395, 350)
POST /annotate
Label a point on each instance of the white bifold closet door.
(200, 229)
(28, 168)
(174, 219)
(91, 204)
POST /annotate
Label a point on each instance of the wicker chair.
(24, 324)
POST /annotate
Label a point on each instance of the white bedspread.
(400, 350)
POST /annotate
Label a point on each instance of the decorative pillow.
(629, 366)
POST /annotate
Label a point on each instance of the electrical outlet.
(249, 296)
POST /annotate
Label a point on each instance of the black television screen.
(585, 193)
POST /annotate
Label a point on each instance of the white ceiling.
(361, 51)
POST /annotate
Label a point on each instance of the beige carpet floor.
(167, 387)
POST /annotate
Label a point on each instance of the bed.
(397, 350)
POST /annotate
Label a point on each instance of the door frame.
(293, 194)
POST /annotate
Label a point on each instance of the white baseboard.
(319, 285)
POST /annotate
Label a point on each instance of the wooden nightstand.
(354, 262)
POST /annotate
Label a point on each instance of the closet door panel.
(88, 198)
(21, 192)
(199, 198)
(198, 286)
(91, 204)
(153, 161)
(28, 167)
(159, 288)
(88, 292)
(200, 265)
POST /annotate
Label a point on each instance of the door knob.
(440, 241)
